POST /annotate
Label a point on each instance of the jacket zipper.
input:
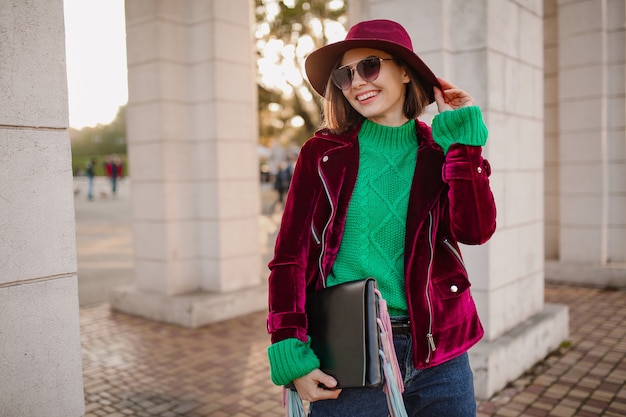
(314, 233)
(456, 253)
(429, 335)
(332, 213)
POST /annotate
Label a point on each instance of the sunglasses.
(368, 70)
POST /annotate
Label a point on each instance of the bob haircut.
(340, 116)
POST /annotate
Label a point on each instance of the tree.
(98, 141)
(101, 139)
(287, 30)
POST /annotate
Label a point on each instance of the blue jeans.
(446, 390)
(113, 184)
(90, 187)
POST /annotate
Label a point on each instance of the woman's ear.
(406, 79)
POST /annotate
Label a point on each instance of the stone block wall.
(40, 357)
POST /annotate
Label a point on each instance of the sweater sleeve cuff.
(290, 359)
(464, 126)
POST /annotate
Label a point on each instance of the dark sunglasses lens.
(369, 68)
(342, 77)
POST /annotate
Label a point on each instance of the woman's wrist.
(464, 126)
(290, 359)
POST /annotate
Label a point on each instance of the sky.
(95, 42)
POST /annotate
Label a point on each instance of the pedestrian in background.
(282, 180)
(90, 168)
(378, 193)
(115, 170)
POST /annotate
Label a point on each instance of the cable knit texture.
(464, 126)
(291, 359)
(373, 241)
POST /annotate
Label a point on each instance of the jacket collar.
(345, 138)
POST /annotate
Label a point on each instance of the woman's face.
(380, 100)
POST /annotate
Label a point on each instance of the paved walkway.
(137, 367)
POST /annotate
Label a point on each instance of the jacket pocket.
(452, 286)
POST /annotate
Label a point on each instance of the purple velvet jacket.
(450, 202)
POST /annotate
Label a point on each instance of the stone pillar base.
(497, 362)
(602, 276)
(189, 310)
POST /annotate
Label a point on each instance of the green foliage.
(289, 22)
(296, 18)
(98, 141)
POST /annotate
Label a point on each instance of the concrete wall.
(40, 358)
(585, 97)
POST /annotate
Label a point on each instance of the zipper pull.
(431, 342)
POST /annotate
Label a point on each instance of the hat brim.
(321, 62)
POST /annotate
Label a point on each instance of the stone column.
(590, 235)
(40, 356)
(494, 50)
(192, 134)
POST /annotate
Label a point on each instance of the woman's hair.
(340, 116)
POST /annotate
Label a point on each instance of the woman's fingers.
(316, 385)
(450, 97)
(440, 100)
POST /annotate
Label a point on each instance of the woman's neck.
(389, 121)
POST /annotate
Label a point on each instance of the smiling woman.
(95, 39)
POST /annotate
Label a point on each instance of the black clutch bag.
(342, 324)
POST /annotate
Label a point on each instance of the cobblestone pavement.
(137, 367)
(586, 377)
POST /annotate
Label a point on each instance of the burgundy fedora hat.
(381, 34)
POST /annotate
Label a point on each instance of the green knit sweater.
(373, 239)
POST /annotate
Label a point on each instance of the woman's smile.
(367, 95)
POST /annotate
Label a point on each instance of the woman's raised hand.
(450, 97)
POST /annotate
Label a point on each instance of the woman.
(376, 193)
